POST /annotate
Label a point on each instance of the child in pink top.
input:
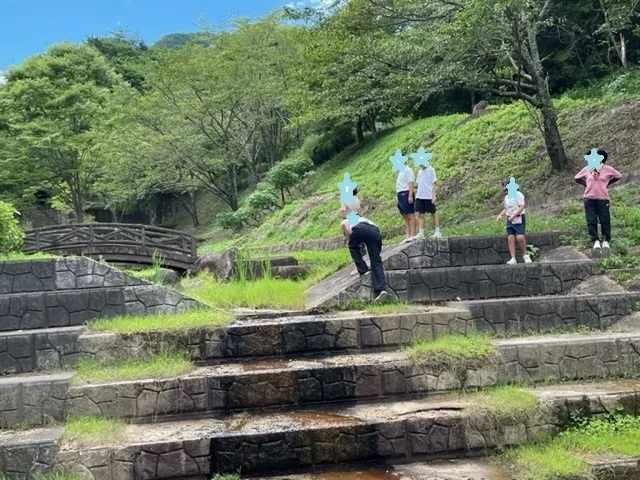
(596, 199)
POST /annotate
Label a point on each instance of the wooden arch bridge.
(116, 242)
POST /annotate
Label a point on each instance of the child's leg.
(522, 240)
(591, 212)
(407, 226)
(420, 221)
(436, 221)
(512, 245)
(605, 219)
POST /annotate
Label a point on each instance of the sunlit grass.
(16, 256)
(565, 456)
(93, 430)
(262, 293)
(164, 365)
(187, 320)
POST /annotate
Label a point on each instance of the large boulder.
(220, 266)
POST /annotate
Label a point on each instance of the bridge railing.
(99, 235)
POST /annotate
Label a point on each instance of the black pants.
(598, 210)
(371, 237)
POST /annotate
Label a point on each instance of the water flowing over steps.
(424, 429)
(295, 392)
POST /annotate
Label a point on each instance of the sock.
(421, 230)
(437, 230)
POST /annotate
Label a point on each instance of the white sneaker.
(382, 297)
(512, 262)
(419, 236)
(596, 245)
(605, 244)
(437, 235)
(527, 259)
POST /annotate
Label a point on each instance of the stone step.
(33, 399)
(342, 287)
(299, 335)
(484, 281)
(24, 351)
(22, 311)
(217, 390)
(430, 429)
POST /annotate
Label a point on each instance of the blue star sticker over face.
(594, 161)
(353, 218)
(512, 188)
(398, 161)
(421, 157)
(346, 189)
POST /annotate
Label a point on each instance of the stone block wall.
(71, 291)
(46, 349)
(484, 281)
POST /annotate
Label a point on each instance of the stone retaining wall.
(46, 349)
(26, 311)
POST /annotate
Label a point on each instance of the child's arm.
(345, 231)
(581, 176)
(614, 175)
(411, 192)
(433, 194)
(502, 213)
(517, 212)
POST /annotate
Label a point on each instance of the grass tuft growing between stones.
(226, 476)
(505, 401)
(188, 320)
(396, 307)
(567, 454)
(158, 366)
(93, 430)
(452, 351)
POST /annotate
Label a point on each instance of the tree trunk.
(359, 132)
(473, 101)
(623, 51)
(552, 138)
(233, 195)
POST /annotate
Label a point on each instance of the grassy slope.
(470, 159)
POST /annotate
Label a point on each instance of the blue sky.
(28, 27)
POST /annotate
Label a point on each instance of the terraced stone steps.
(350, 378)
(311, 382)
(300, 335)
(342, 287)
(429, 429)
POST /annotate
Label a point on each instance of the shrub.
(11, 237)
(321, 148)
(261, 200)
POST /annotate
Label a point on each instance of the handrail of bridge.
(91, 235)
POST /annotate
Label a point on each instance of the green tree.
(51, 107)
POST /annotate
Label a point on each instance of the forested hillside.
(241, 135)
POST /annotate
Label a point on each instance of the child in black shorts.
(514, 209)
